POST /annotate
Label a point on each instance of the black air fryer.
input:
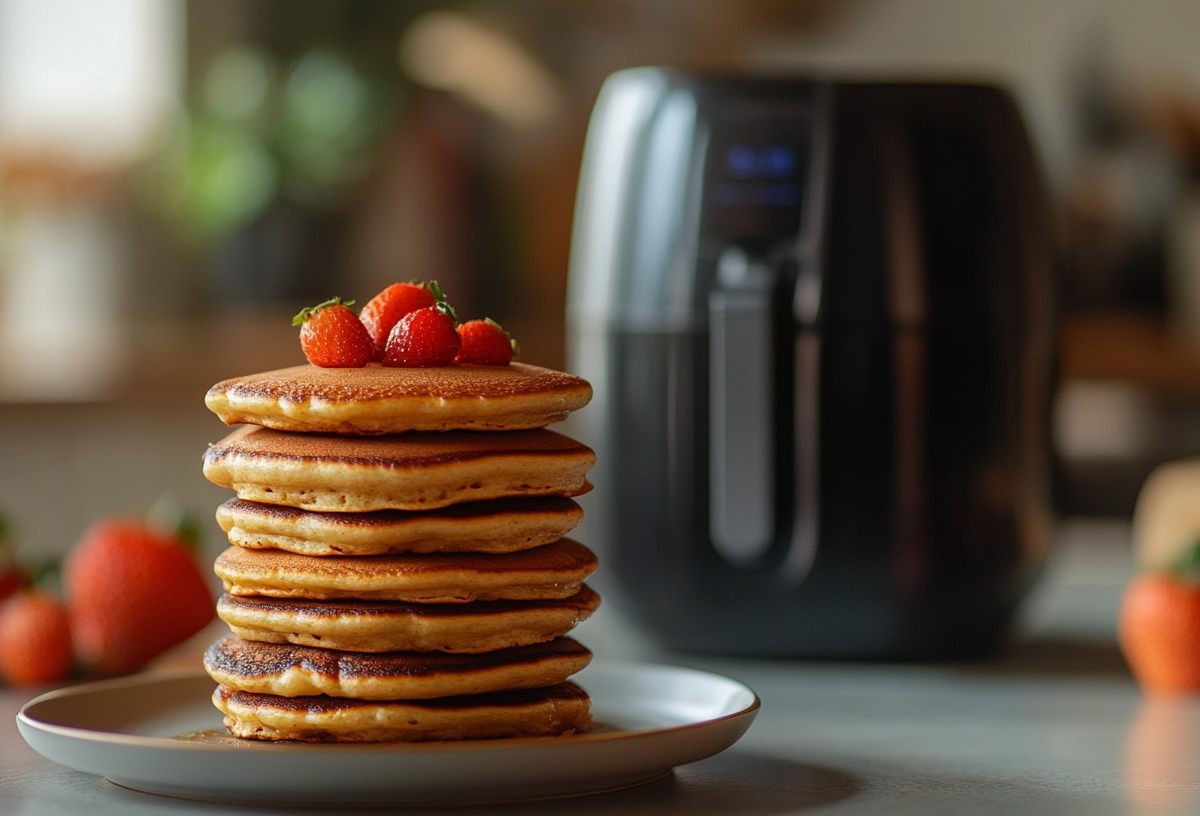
(817, 319)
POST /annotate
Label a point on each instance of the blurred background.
(178, 178)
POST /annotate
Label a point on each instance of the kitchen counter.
(1053, 726)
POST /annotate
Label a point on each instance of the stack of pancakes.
(399, 568)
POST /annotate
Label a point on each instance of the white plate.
(651, 719)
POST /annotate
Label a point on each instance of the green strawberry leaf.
(188, 531)
(309, 311)
(448, 310)
(441, 305)
(47, 577)
(169, 517)
(1187, 566)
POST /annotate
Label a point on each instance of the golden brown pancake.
(551, 571)
(327, 472)
(385, 626)
(300, 671)
(497, 526)
(380, 400)
(554, 711)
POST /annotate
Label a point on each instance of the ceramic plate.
(162, 735)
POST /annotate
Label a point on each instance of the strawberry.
(423, 338)
(484, 342)
(35, 639)
(132, 593)
(1159, 626)
(384, 310)
(332, 336)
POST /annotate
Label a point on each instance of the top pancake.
(382, 400)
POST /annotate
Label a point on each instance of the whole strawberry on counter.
(35, 635)
(132, 593)
(1159, 626)
(35, 639)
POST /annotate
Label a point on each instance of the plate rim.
(90, 735)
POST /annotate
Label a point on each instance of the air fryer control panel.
(756, 164)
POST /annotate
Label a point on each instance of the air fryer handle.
(744, 442)
(741, 426)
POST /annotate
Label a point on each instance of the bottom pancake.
(297, 671)
(554, 711)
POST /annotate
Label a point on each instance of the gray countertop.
(1053, 726)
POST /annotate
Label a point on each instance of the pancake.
(327, 472)
(551, 571)
(497, 526)
(300, 671)
(381, 400)
(385, 626)
(555, 711)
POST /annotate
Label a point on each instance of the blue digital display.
(755, 176)
(767, 162)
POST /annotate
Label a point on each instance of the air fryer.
(817, 316)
